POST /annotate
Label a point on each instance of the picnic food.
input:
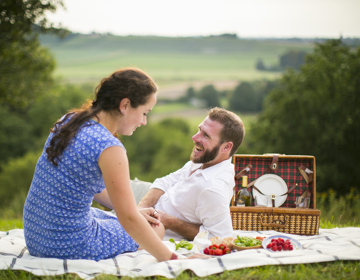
(217, 250)
(182, 244)
(279, 244)
(245, 241)
(228, 241)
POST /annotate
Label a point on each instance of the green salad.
(182, 244)
(244, 241)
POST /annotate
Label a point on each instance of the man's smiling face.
(207, 142)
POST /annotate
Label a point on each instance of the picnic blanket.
(330, 245)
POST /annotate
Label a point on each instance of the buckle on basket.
(273, 200)
(274, 163)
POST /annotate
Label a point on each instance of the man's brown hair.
(233, 127)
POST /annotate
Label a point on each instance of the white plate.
(296, 244)
(270, 184)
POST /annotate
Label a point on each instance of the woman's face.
(136, 117)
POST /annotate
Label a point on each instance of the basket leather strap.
(273, 196)
(274, 163)
(243, 172)
(306, 173)
(308, 176)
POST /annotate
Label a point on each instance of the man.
(196, 197)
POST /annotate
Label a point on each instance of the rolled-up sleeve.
(214, 212)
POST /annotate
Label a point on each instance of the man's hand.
(151, 215)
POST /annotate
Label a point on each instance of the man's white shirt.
(201, 198)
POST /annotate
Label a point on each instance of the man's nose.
(195, 137)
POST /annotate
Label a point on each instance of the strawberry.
(226, 251)
(211, 252)
(218, 252)
(214, 246)
(206, 251)
(222, 246)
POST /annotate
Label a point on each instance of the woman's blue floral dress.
(58, 219)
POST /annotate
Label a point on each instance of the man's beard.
(208, 155)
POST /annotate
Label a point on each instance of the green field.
(88, 58)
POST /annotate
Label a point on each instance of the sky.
(246, 18)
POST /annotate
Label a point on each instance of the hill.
(174, 62)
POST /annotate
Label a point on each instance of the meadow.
(170, 61)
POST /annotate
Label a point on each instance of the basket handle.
(278, 223)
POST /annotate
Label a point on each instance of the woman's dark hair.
(130, 83)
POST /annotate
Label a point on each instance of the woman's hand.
(199, 256)
(151, 215)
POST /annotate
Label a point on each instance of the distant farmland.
(174, 63)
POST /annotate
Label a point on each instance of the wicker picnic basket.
(299, 174)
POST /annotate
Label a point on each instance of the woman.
(82, 161)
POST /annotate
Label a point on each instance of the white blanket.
(330, 245)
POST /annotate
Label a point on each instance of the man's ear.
(227, 147)
(124, 105)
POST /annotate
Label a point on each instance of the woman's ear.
(124, 105)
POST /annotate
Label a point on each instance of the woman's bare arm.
(114, 166)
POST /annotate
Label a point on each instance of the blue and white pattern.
(58, 218)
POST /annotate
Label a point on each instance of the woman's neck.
(106, 120)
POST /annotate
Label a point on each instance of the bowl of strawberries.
(217, 250)
(277, 243)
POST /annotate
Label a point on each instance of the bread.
(228, 241)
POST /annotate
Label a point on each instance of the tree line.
(246, 97)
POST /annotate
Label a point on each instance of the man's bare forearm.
(151, 198)
(185, 229)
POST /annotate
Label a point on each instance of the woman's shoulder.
(95, 133)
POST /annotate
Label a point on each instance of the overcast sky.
(246, 18)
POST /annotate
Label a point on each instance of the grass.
(328, 270)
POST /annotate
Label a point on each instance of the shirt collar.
(212, 171)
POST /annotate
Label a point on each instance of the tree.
(260, 65)
(292, 59)
(244, 98)
(210, 95)
(316, 111)
(25, 67)
(18, 19)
